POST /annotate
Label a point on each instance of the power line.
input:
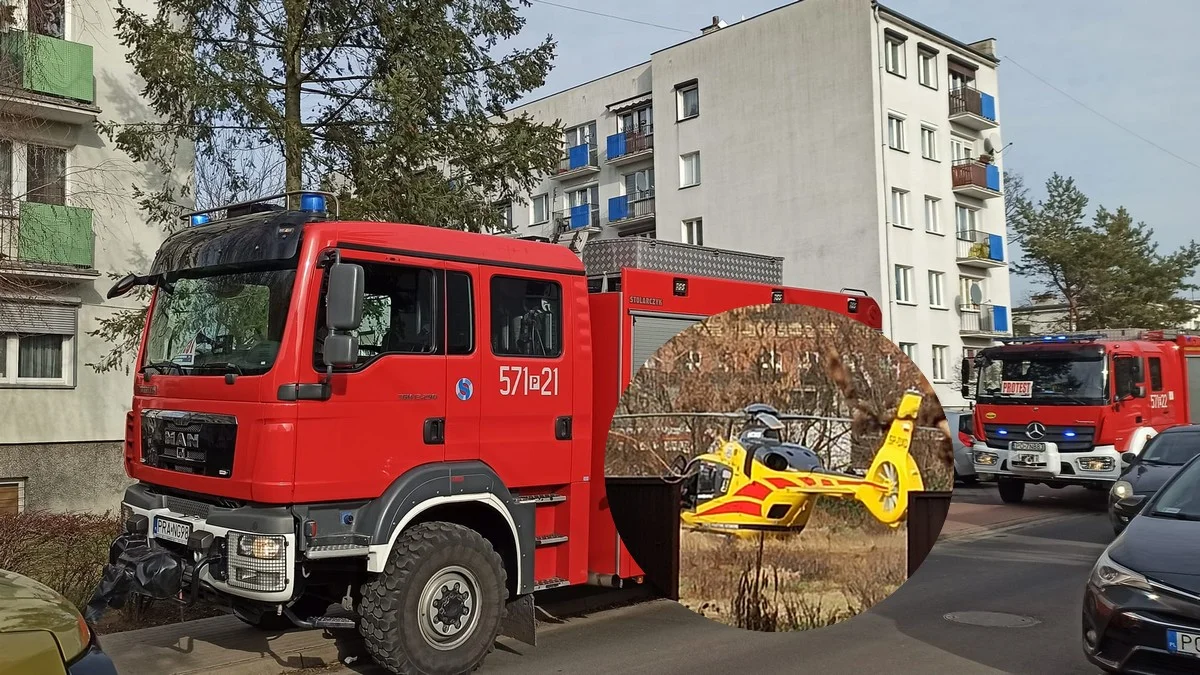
(1099, 114)
(613, 16)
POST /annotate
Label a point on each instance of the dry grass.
(832, 571)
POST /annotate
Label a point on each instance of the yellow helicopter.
(759, 483)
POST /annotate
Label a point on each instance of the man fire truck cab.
(408, 420)
(1068, 409)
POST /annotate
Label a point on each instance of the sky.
(1088, 88)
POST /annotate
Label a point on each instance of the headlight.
(260, 547)
(1108, 573)
(1122, 489)
(986, 458)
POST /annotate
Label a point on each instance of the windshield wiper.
(161, 366)
(223, 365)
(1175, 516)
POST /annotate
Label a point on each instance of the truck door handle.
(562, 428)
(435, 431)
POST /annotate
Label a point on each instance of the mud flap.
(135, 567)
(520, 622)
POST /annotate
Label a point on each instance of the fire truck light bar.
(1050, 338)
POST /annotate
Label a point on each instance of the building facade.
(67, 219)
(1047, 314)
(860, 145)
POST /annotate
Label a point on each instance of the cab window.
(1156, 383)
(526, 317)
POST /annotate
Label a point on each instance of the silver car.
(962, 428)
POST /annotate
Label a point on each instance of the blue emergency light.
(312, 203)
(199, 219)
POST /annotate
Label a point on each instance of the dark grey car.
(962, 437)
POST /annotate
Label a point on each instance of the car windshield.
(219, 323)
(1172, 449)
(1055, 378)
(1180, 498)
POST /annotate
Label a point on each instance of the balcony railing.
(580, 160)
(973, 108)
(47, 65)
(980, 249)
(631, 145)
(983, 320)
(974, 178)
(578, 217)
(43, 236)
(631, 209)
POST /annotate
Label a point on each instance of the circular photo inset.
(795, 439)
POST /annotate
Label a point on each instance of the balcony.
(630, 211)
(973, 178)
(980, 249)
(583, 216)
(982, 321)
(631, 146)
(581, 160)
(47, 240)
(973, 109)
(47, 78)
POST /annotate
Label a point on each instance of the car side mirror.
(344, 297)
(123, 286)
(1128, 457)
(1139, 391)
(340, 349)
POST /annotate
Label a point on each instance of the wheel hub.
(446, 610)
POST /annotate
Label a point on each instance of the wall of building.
(88, 477)
(785, 142)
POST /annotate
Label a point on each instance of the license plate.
(172, 530)
(1026, 445)
(1183, 643)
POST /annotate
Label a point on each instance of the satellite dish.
(989, 145)
(976, 294)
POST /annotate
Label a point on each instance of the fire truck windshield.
(213, 324)
(1047, 378)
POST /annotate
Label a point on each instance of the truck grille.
(189, 442)
(1083, 440)
(187, 507)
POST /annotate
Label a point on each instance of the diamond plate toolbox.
(607, 257)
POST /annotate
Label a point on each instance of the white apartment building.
(857, 143)
(67, 220)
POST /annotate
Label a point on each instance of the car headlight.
(1122, 489)
(260, 547)
(1108, 573)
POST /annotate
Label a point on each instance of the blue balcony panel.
(987, 104)
(993, 177)
(581, 215)
(616, 145)
(996, 247)
(618, 208)
(1000, 318)
(579, 156)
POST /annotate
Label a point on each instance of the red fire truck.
(1063, 409)
(410, 421)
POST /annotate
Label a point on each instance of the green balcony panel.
(52, 66)
(55, 235)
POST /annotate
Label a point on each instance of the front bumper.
(1125, 629)
(1102, 464)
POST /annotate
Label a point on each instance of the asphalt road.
(1034, 570)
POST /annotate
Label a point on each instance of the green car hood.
(26, 605)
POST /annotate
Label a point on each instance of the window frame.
(972, 220)
(933, 225)
(10, 369)
(533, 219)
(899, 208)
(683, 164)
(896, 136)
(681, 91)
(18, 483)
(937, 280)
(895, 54)
(929, 148)
(935, 362)
(905, 348)
(561, 336)
(1154, 372)
(692, 227)
(472, 297)
(907, 271)
(928, 77)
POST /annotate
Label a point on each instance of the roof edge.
(935, 32)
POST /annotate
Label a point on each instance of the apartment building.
(67, 220)
(859, 144)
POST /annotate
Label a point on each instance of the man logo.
(1035, 431)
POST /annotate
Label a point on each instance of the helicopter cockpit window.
(526, 317)
(712, 480)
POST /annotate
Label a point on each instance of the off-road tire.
(304, 608)
(1011, 491)
(389, 611)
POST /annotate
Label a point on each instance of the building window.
(518, 330)
(689, 169)
(12, 496)
(965, 221)
(540, 209)
(966, 287)
(927, 68)
(639, 184)
(899, 207)
(584, 134)
(910, 350)
(894, 55)
(48, 17)
(46, 175)
(937, 284)
(640, 120)
(33, 359)
(933, 215)
(904, 275)
(929, 142)
(961, 148)
(693, 231)
(896, 132)
(688, 101)
(6, 174)
(939, 363)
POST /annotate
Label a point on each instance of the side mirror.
(1139, 391)
(679, 465)
(123, 286)
(340, 350)
(344, 298)
(1128, 457)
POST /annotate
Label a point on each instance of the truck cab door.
(1130, 409)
